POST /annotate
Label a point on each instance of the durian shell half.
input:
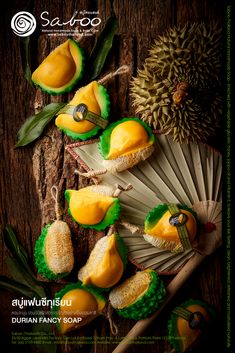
(96, 309)
(138, 296)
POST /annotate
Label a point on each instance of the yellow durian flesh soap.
(61, 69)
(78, 305)
(125, 143)
(188, 321)
(106, 263)
(171, 227)
(93, 206)
(86, 113)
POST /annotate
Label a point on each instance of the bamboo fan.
(188, 174)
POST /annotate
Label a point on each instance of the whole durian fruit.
(178, 91)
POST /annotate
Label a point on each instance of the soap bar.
(86, 113)
(79, 305)
(61, 70)
(125, 143)
(93, 206)
(138, 296)
(106, 263)
(188, 321)
(54, 251)
(171, 227)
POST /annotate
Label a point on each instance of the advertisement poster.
(116, 170)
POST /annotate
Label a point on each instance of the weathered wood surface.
(27, 174)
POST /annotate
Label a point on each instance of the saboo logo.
(23, 24)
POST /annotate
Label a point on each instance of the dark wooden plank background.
(27, 174)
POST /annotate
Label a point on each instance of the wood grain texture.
(27, 174)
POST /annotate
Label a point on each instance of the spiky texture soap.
(188, 321)
(96, 99)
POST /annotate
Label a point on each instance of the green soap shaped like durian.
(188, 324)
(93, 206)
(97, 101)
(78, 305)
(53, 252)
(106, 263)
(138, 296)
(162, 231)
(61, 70)
(125, 143)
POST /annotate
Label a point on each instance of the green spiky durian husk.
(104, 112)
(191, 54)
(104, 143)
(157, 213)
(148, 303)
(172, 323)
(40, 260)
(69, 287)
(110, 217)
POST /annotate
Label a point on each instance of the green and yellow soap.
(95, 98)
(171, 227)
(93, 206)
(138, 296)
(106, 263)
(79, 305)
(187, 323)
(125, 143)
(53, 252)
(61, 69)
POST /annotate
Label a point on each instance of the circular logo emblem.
(23, 24)
(178, 219)
(196, 320)
(80, 112)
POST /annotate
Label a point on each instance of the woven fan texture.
(178, 173)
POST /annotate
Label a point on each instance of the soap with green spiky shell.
(79, 305)
(93, 206)
(106, 263)
(53, 251)
(138, 296)
(61, 70)
(178, 91)
(96, 99)
(162, 227)
(187, 323)
(125, 143)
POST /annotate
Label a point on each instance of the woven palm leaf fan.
(187, 174)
